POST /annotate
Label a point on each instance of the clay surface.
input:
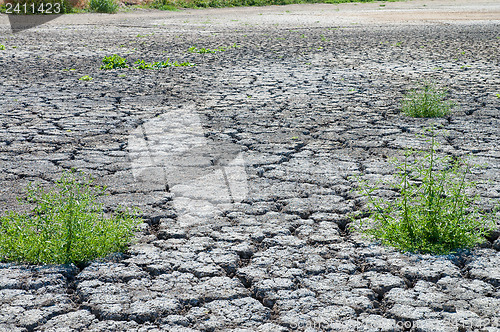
(241, 164)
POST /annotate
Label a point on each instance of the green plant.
(113, 62)
(426, 102)
(434, 211)
(85, 78)
(103, 6)
(169, 4)
(66, 225)
(2, 47)
(141, 64)
(203, 50)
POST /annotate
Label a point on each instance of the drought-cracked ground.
(241, 165)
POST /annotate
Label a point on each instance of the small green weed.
(113, 62)
(433, 212)
(141, 64)
(203, 50)
(65, 226)
(426, 102)
(103, 6)
(86, 78)
(2, 47)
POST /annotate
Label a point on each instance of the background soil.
(306, 95)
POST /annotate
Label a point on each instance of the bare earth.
(241, 164)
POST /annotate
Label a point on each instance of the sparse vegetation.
(66, 225)
(2, 47)
(426, 102)
(103, 6)
(193, 49)
(172, 4)
(434, 211)
(85, 78)
(141, 64)
(113, 62)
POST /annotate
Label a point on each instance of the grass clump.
(65, 226)
(141, 64)
(170, 4)
(426, 102)
(434, 212)
(86, 78)
(114, 62)
(103, 6)
(203, 50)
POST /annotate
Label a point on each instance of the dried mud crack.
(296, 108)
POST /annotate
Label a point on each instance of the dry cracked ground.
(241, 164)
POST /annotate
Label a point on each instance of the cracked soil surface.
(249, 232)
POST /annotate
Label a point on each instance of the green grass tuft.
(141, 64)
(426, 102)
(85, 78)
(433, 213)
(113, 62)
(65, 226)
(203, 50)
(103, 6)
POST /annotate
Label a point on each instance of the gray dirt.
(291, 109)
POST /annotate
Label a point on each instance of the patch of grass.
(113, 62)
(85, 78)
(426, 102)
(168, 4)
(434, 212)
(141, 64)
(65, 226)
(203, 50)
(103, 6)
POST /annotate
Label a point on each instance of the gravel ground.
(241, 165)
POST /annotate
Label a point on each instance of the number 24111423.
(33, 8)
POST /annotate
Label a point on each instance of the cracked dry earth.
(300, 108)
